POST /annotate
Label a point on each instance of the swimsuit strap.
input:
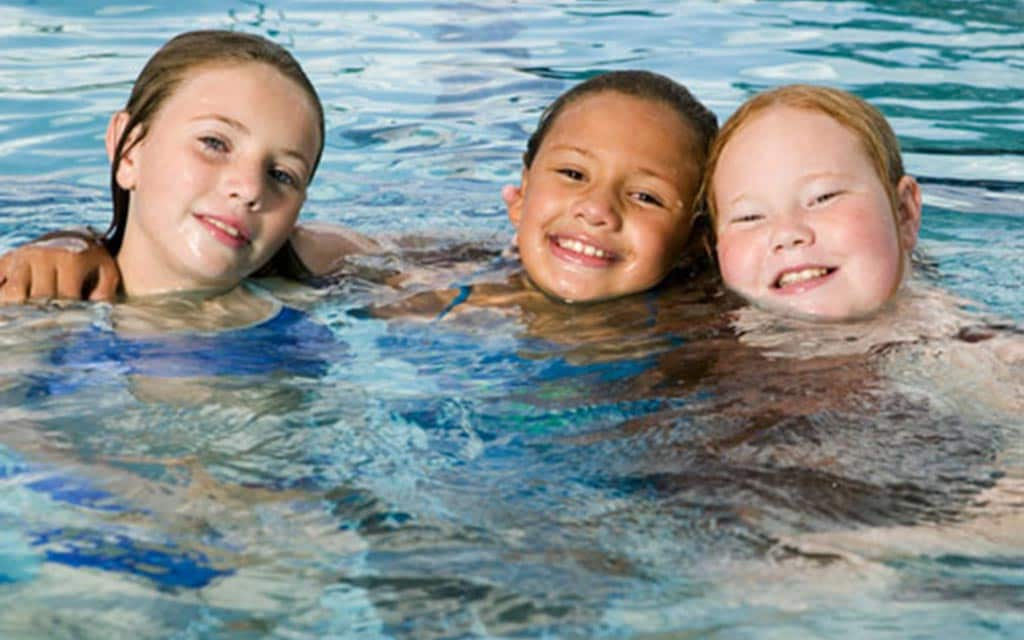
(465, 290)
(463, 295)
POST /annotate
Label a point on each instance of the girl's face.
(604, 210)
(218, 179)
(804, 223)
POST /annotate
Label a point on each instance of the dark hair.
(166, 70)
(646, 85)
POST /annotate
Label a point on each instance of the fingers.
(16, 283)
(43, 284)
(42, 274)
(70, 282)
(52, 270)
(107, 284)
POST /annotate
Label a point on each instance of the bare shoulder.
(322, 247)
(1009, 348)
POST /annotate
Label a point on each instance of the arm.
(323, 247)
(71, 264)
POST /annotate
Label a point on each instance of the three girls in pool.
(207, 190)
(810, 211)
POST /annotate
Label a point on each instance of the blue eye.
(283, 177)
(214, 144)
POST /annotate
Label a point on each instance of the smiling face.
(605, 207)
(217, 181)
(804, 224)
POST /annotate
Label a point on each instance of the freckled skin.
(796, 192)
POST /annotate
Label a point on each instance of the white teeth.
(231, 231)
(579, 247)
(800, 276)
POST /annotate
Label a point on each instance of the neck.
(146, 270)
(140, 283)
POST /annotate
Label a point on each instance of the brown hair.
(166, 69)
(639, 84)
(852, 112)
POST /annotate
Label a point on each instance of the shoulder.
(322, 247)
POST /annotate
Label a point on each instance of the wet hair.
(855, 114)
(162, 75)
(645, 85)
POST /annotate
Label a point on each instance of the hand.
(65, 264)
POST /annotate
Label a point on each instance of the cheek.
(735, 261)
(659, 241)
(280, 227)
(878, 242)
(530, 232)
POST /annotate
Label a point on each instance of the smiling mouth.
(801, 276)
(231, 231)
(583, 249)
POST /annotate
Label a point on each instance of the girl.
(609, 179)
(813, 216)
(210, 161)
(811, 210)
(814, 219)
(603, 211)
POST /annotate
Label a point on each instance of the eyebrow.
(589, 154)
(237, 124)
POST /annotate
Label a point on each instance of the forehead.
(254, 93)
(251, 76)
(791, 139)
(783, 125)
(647, 117)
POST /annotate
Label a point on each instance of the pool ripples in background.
(471, 479)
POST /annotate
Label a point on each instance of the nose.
(790, 232)
(244, 184)
(598, 208)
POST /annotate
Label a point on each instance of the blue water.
(623, 471)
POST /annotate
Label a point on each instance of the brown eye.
(648, 198)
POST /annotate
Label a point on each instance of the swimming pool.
(597, 476)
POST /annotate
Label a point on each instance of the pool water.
(620, 470)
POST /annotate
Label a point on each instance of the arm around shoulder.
(323, 247)
(71, 264)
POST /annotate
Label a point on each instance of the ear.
(908, 211)
(126, 170)
(513, 197)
